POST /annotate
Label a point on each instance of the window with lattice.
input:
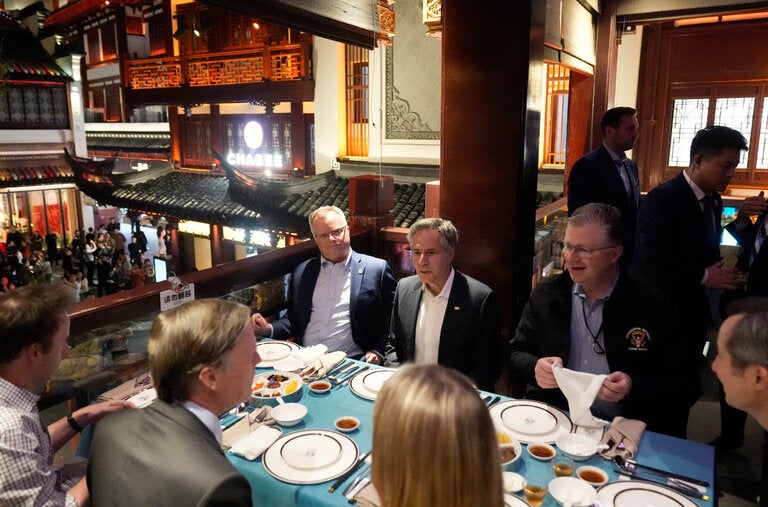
(357, 100)
(556, 117)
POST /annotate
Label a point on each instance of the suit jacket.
(672, 251)
(757, 280)
(641, 340)
(370, 304)
(594, 178)
(161, 455)
(470, 334)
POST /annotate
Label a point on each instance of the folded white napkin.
(251, 446)
(580, 389)
(320, 366)
(309, 354)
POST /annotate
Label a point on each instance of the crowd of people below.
(92, 263)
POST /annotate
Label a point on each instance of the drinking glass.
(535, 494)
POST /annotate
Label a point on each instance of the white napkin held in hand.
(580, 389)
(252, 445)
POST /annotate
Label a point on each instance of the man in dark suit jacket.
(606, 175)
(444, 316)
(678, 235)
(342, 298)
(169, 453)
(620, 328)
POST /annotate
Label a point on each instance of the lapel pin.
(456, 308)
(360, 271)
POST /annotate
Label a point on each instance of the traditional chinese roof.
(23, 173)
(206, 197)
(22, 57)
(146, 142)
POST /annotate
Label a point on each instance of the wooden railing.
(271, 63)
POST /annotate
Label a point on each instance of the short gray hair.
(446, 229)
(605, 216)
(324, 211)
(748, 343)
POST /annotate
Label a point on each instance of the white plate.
(634, 493)
(368, 383)
(312, 450)
(272, 351)
(593, 433)
(277, 467)
(514, 501)
(530, 421)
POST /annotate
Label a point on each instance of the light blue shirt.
(586, 322)
(329, 320)
(208, 418)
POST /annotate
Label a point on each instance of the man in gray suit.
(443, 316)
(201, 357)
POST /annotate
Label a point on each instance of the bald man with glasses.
(594, 318)
(342, 299)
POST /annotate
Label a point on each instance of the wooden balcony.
(274, 73)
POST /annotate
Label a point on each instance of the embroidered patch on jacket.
(638, 338)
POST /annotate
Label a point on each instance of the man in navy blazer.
(606, 175)
(444, 316)
(342, 299)
(678, 235)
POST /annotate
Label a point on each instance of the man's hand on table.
(373, 357)
(615, 387)
(91, 414)
(543, 372)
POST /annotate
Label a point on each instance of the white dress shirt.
(429, 323)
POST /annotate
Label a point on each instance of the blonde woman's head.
(433, 441)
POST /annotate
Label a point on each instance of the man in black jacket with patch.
(594, 318)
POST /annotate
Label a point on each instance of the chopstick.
(638, 466)
(349, 473)
(356, 481)
(679, 487)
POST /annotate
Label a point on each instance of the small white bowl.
(513, 483)
(288, 414)
(577, 447)
(347, 423)
(508, 449)
(590, 474)
(541, 452)
(572, 491)
(320, 386)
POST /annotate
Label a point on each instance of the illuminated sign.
(257, 160)
(196, 228)
(247, 237)
(253, 135)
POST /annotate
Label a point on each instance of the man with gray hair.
(594, 318)
(342, 298)
(741, 363)
(201, 357)
(443, 316)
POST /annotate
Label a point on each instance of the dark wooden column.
(215, 129)
(489, 140)
(298, 137)
(605, 67)
(217, 251)
(371, 201)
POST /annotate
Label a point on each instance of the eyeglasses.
(335, 234)
(581, 251)
(597, 348)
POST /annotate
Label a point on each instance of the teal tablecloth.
(657, 450)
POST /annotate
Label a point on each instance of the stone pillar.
(371, 203)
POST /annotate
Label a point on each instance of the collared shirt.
(586, 323)
(208, 418)
(27, 476)
(618, 161)
(429, 323)
(699, 193)
(329, 320)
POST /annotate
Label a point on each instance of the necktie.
(709, 219)
(762, 232)
(630, 185)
